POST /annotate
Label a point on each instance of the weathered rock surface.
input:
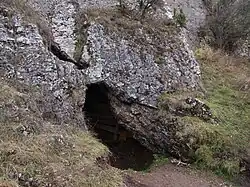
(139, 67)
(136, 61)
(164, 131)
(195, 12)
(24, 57)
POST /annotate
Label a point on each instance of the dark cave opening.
(126, 151)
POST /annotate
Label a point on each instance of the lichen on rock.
(139, 65)
(24, 57)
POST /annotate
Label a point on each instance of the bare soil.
(171, 175)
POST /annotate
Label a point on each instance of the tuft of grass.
(205, 159)
(212, 146)
(7, 183)
(160, 160)
(39, 152)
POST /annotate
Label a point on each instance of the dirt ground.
(171, 175)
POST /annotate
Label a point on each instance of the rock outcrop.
(25, 58)
(87, 44)
(139, 67)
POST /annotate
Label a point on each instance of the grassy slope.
(44, 153)
(227, 81)
(218, 146)
(224, 79)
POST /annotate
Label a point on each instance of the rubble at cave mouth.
(126, 151)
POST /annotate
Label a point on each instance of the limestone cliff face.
(24, 57)
(136, 61)
(195, 12)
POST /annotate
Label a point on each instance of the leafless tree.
(143, 5)
(229, 22)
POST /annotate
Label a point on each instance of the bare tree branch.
(229, 21)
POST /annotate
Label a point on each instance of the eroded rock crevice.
(56, 50)
(59, 53)
(126, 151)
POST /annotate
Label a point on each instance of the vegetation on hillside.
(228, 22)
(222, 143)
(142, 9)
(36, 152)
(227, 82)
(143, 6)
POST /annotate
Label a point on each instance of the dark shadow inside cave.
(126, 151)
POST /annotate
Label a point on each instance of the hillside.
(106, 93)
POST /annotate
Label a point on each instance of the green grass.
(222, 77)
(160, 160)
(213, 146)
(61, 155)
(221, 143)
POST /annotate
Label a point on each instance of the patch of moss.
(159, 60)
(81, 35)
(226, 167)
(179, 17)
(212, 146)
(160, 160)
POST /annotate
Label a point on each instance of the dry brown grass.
(6, 183)
(234, 70)
(48, 154)
(221, 145)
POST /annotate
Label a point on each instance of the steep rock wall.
(24, 57)
(195, 12)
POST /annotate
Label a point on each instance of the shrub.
(228, 22)
(180, 17)
(143, 6)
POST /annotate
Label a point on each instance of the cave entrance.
(126, 151)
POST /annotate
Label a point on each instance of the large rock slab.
(139, 63)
